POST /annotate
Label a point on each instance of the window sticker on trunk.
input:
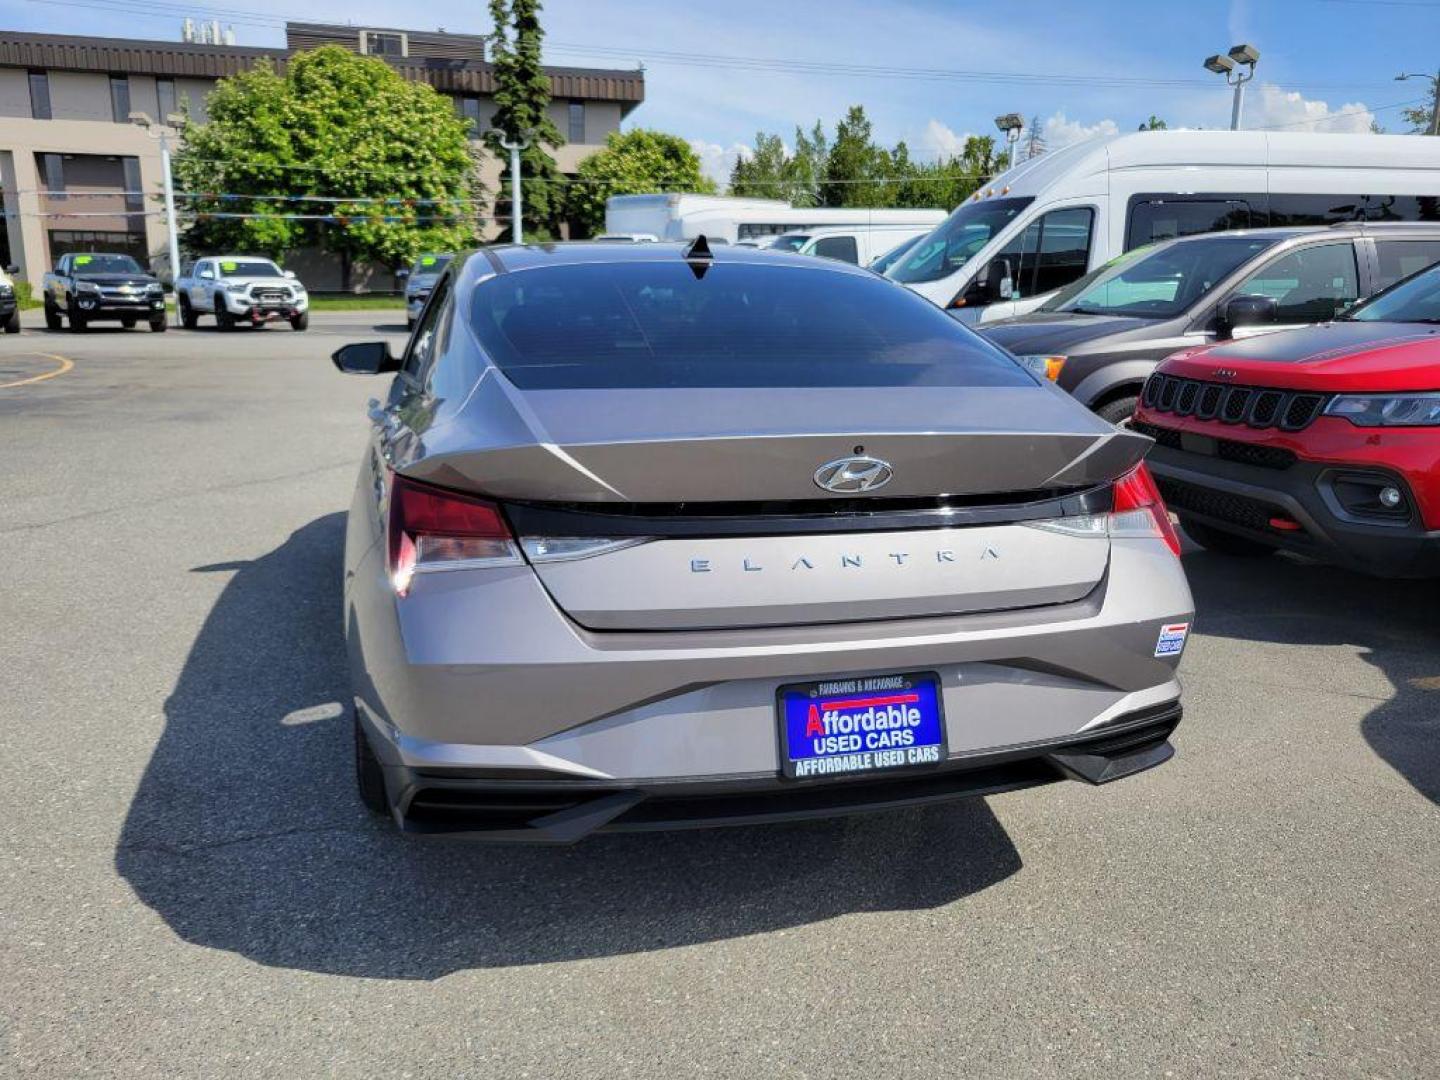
(1172, 639)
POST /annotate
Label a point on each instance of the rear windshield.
(655, 324)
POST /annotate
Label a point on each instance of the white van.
(857, 245)
(1039, 226)
(731, 219)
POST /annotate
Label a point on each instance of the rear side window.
(1313, 284)
(656, 324)
(838, 247)
(1401, 258)
(1167, 219)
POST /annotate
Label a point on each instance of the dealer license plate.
(841, 727)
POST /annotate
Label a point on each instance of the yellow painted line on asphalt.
(65, 365)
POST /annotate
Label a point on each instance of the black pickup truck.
(92, 286)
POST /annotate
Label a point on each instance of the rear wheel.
(1122, 408)
(301, 321)
(52, 315)
(223, 319)
(188, 319)
(1226, 543)
(12, 324)
(369, 777)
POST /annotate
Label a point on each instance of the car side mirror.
(290, 274)
(365, 358)
(401, 275)
(1247, 310)
(207, 274)
(11, 268)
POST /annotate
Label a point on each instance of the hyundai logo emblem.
(853, 474)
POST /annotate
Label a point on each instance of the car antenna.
(699, 257)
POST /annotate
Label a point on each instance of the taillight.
(1140, 511)
(434, 529)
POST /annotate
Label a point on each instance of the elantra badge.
(850, 475)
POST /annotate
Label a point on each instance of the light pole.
(515, 209)
(1011, 124)
(1229, 64)
(1435, 104)
(163, 134)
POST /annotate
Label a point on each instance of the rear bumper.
(458, 802)
(1242, 499)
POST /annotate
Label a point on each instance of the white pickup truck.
(240, 290)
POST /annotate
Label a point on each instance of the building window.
(134, 193)
(52, 175)
(120, 98)
(376, 43)
(165, 98)
(469, 109)
(40, 95)
(577, 121)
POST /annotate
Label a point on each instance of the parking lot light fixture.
(1011, 124)
(514, 146)
(1238, 67)
(162, 132)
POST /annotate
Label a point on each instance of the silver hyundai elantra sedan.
(656, 537)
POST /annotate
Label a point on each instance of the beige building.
(77, 175)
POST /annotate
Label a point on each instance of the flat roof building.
(73, 167)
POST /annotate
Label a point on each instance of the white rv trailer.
(727, 218)
(1039, 226)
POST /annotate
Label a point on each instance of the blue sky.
(1319, 58)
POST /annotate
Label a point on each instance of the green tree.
(763, 174)
(1154, 124)
(1420, 118)
(949, 182)
(339, 136)
(636, 162)
(522, 99)
(806, 168)
(855, 168)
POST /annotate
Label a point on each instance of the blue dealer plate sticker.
(1172, 639)
(841, 727)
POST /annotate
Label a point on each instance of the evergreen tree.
(522, 96)
(1034, 141)
(855, 167)
(806, 169)
(1154, 124)
(762, 174)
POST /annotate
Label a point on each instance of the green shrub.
(25, 294)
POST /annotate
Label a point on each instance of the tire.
(157, 326)
(77, 323)
(52, 316)
(12, 324)
(409, 322)
(301, 321)
(369, 777)
(129, 322)
(1225, 543)
(1122, 408)
(188, 319)
(223, 319)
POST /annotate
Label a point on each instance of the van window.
(1157, 218)
(1064, 248)
(957, 240)
(1316, 209)
(1401, 258)
(1312, 284)
(838, 247)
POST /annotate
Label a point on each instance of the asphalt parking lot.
(189, 887)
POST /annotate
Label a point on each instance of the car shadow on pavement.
(1290, 602)
(245, 832)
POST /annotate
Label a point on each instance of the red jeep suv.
(1323, 441)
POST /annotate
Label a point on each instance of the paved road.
(189, 888)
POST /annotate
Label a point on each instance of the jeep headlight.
(1387, 410)
(1042, 366)
(86, 287)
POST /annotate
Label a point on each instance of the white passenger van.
(857, 244)
(1039, 226)
(727, 218)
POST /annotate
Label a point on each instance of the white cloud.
(1059, 130)
(716, 161)
(940, 141)
(1273, 108)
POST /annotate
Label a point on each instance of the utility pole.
(515, 207)
(1434, 101)
(160, 131)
